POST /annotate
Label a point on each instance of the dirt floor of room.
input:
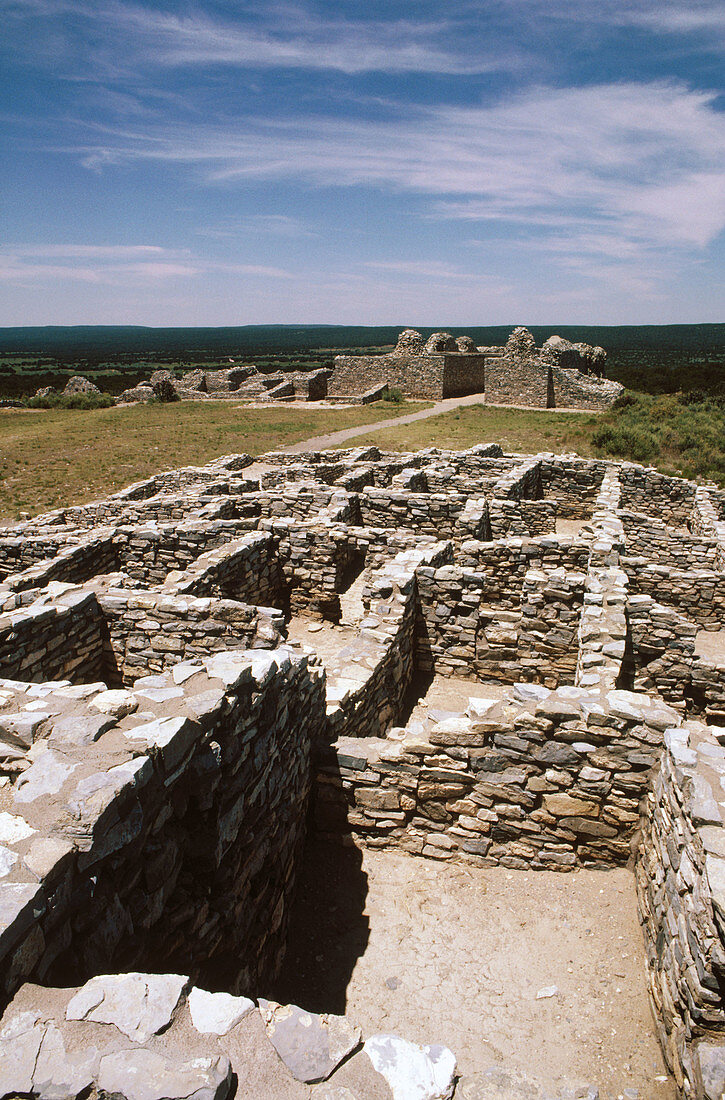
(469, 957)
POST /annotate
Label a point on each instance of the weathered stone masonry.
(157, 825)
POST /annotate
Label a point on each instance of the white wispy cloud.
(422, 269)
(115, 265)
(638, 162)
(284, 36)
(272, 225)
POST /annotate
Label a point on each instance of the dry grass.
(51, 458)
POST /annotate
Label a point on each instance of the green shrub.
(393, 396)
(83, 401)
(639, 444)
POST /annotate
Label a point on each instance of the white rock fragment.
(139, 1005)
(411, 1071)
(216, 1013)
(13, 829)
(116, 702)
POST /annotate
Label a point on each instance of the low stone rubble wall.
(300, 500)
(571, 389)
(427, 513)
(243, 569)
(21, 553)
(522, 482)
(368, 682)
(74, 563)
(708, 520)
(648, 537)
(523, 518)
(151, 632)
(460, 635)
(699, 594)
(148, 554)
(574, 482)
(55, 640)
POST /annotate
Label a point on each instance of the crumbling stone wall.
(243, 569)
(699, 594)
(149, 633)
(118, 871)
(644, 490)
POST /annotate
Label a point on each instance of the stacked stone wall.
(495, 623)
(552, 783)
(243, 569)
(708, 520)
(670, 499)
(146, 632)
(18, 554)
(511, 382)
(648, 537)
(699, 594)
(417, 376)
(681, 892)
(55, 641)
(167, 841)
(574, 482)
(74, 563)
(572, 389)
(463, 375)
(428, 513)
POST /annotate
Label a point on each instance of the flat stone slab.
(139, 1005)
(145, 1075)
(311, 1046)
(216, 1013)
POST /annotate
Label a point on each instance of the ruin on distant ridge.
(557, 375)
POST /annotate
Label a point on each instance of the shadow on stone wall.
(329, 929)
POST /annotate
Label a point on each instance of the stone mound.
(520, 344)
(410, 342)
(79, 384)
(439, 342)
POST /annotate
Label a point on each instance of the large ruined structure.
(559, 374)
(165, 744)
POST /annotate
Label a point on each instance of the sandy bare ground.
(442, 953)
(711, 645)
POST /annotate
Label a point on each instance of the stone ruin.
(165, 746)
(557, 375)
(238, 383)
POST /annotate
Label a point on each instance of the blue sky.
(470, 163)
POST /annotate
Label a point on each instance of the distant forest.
(88, 341)
(652, 358)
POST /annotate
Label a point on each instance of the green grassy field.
(668, 431)
(514, 429)
(50, 458)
